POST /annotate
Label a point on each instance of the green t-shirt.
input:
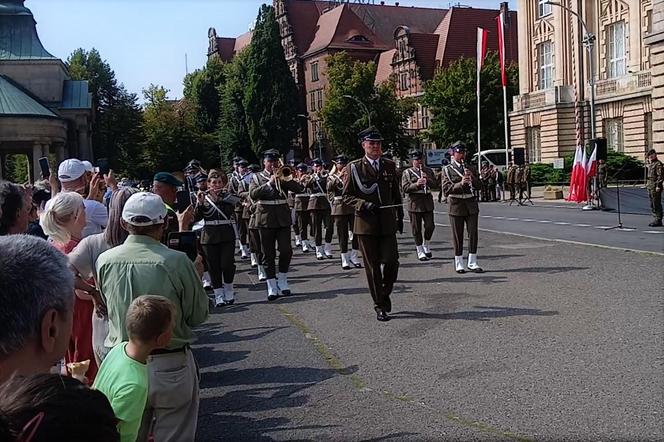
(124, 382)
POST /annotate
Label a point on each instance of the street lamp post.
(362, 105)
(589, 42)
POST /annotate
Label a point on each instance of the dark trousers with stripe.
(344, 224)
(377, 250)
(221, 262)
(271, 241)
(417, 220)
(458, 223)
(321, 220)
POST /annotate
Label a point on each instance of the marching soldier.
(217, 238)
(459, 183)
(417, 182)
(491, 183)
(373, 188)
(526, 178)
(654, 186)
(342, 214)
(269, 189)
(511, 180)
(237, 184)
(484, 179)
(319, 210)
(249, 214)
(301, 205)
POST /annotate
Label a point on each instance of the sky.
(145, 41)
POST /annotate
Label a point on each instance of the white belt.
(463, 197)
(338, 198)
(302, 195)
(219, 222)
(318, 194)
(272, 202)
(422, 192)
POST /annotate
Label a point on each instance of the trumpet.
(283, 172)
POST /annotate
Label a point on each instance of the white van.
(493, 156)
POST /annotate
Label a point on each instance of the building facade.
(42, 111)
(551, 116)
(655, 41)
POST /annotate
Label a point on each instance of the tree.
(344, 118)
(116, 128)
(202, 87)
(232, 131)
(172, 134)
(451, 97)
(270, 99)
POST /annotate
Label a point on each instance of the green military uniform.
(601, 175)
(654, 186)
(343, 215)
(511, 181)
(463, 209)
(420, 204)
(491, 183)
(525, 180)
(218, 243)
(373, 189)
(319, 210)
(273, 220)
(301, 206)
(237, 185)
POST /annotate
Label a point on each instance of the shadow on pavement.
(486, 313)
(547, 270)
(234, 427)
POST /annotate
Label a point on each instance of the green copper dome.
(18, 34)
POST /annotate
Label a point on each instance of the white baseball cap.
(70, 170)
(88, 166)
(144, 209)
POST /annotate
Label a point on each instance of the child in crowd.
(123, 376)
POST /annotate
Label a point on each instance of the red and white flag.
(501, 46)
(577, 185)
(591, 167)
(481, 53)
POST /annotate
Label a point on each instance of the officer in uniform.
(526, 178)
(237, 185)
(301, 205)
(319, 210)
(373, 189)
(166, 186)
(417, 182)
(491, 183)
(601, 174)
(511, 180)
(654, 186)
(217, 238)
(269, 190)
(342, 214)
(459, 183)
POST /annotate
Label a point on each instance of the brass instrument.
(283, 172)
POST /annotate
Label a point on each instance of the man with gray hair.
(37, 298)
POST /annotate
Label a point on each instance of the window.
(319, 95)
(403, 81)
(312, 101)
(615, 51)
(425, 117)
(543, 9)
(534, 143)
(358, 39)
(613, 130)
(545, 62)
(314, 71)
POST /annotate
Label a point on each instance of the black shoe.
(286, 293)
(346, 267)
(477, 270)
(231, 302)
(461, 272)
(429, 255)
(357, 265)
(655, 224)
(382, 316)
(272, 297)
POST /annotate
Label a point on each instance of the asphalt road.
(555, 341)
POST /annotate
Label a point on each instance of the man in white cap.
(72, 174)
(143, 265)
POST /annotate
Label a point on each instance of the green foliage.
(344, 118)
(116, 128)
(451, 97)
(270, 99)
(232, 131)
(544, 173)
(202, 87)
(17, 168)
(172, 134)
(623, 167)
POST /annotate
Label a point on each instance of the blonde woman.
(63, 220)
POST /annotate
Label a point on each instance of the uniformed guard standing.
(373, 188)
(601, 174)
(520, 180)
(417, 182)
(459, 183)
(217, 238)
(526, 178)
(654, 186)
(491, 183)
(511, 180)
(301, 205)
(342, 214)
(319, 210)
(273, 219)
(236, 185)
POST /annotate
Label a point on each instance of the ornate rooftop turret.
(18, 33)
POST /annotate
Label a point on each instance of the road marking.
(582, 225)
(654, 231)
(512, 219)
(561, 223)
(528, 220)
(543, 221)
(603, 227)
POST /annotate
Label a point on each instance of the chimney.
(396, 3)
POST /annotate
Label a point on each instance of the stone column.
(60, 152)
(656, 42)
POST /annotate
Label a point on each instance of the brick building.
(408, 42)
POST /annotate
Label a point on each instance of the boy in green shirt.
(123, 376)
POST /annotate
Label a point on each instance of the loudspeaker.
(519, 154)
(600, 144)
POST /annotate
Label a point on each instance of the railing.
(547, 97)
(627, 84)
